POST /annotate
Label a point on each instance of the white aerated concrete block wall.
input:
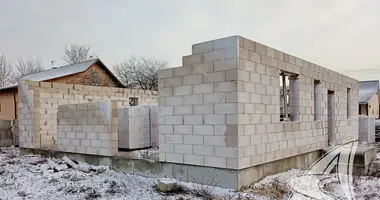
(38, 106)
(134, 127)
(366, 129)
(153, 116)
(88, 128)
(222, 108)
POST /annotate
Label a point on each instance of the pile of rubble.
(374, 168)
(60, 165)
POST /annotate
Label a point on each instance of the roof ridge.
(96, 59)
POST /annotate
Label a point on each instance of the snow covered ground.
(28, 177)
(31, 177)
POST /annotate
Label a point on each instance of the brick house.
(92, 72)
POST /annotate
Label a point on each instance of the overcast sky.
(341, 35)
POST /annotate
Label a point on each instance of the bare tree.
(26, 67)
(6, 72)
(75, 53)
(140, 72)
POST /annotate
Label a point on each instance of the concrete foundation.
(364, 155)
(226, 178)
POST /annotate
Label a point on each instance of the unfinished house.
(76, 112)
(369, 98)
(220, 113)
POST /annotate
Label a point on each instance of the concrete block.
(222, 65)
(260, 89)
(193, 139)
(214, 98)
(183, 129)
(192, 99)
(254, 57)
(232, 97)
(227, 108)
(193, 79)
(166, 129)
(203, 130)
(231, 75)
(173, 101)
(192, 59)
(183, 110)
(193, 119)
(203, 88)
(204, 150)
(194, 160)
(248, 44)
(249, 66)
(215, 161)
(265, 80)
(261, 149)
(96, 143)
(173, 120)
(228, 152)
(260, 48)
(243, 53)
(63, 86)
(366, 129)
(261, 69)
(214, 77)
(85, 143)
(92, 136)
(167, 185)
(166, 92)
(215, 140)
(174, 139)
(214, 55)
(104, 136)
(203, 109)
(166, 148)
(225, 43)
(231, 52)
(182, 71)
(214, 119)
(87, 128)
(202, 47)
(172, 82)
(231, 86)
(202, 68)
(183, 90)
(175, 158)
(183, 149)
(70, 135)
(166, 110)
(106, 144)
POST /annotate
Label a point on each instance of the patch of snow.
(22, 180)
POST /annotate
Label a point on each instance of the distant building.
(92, 72)
(369, 98)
